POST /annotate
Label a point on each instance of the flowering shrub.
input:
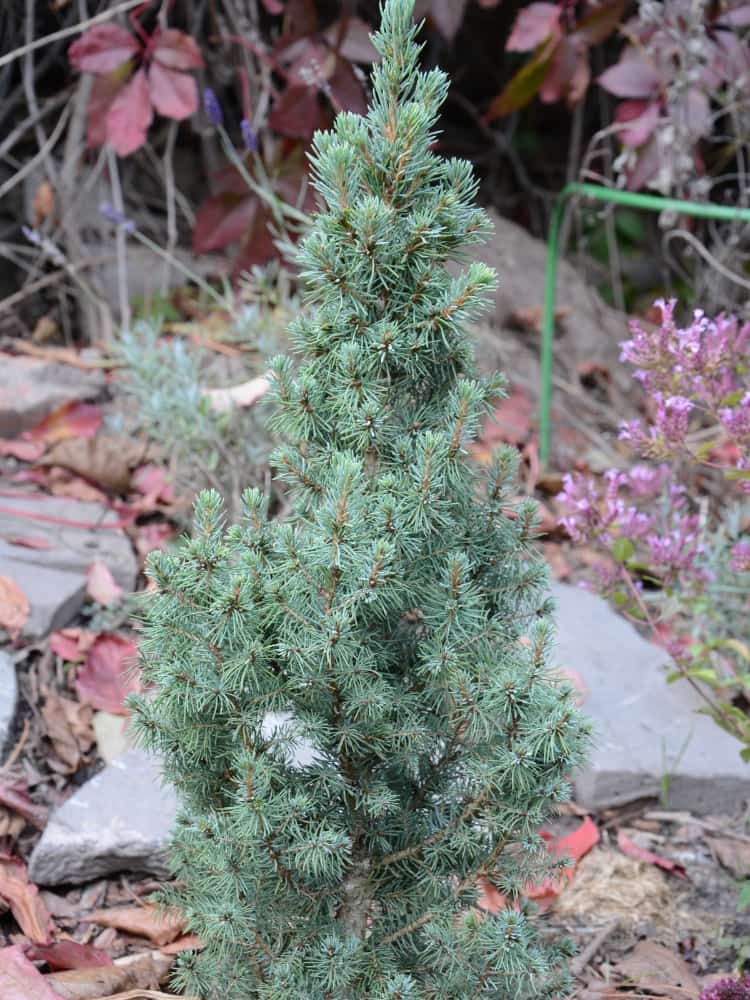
(676, 562)
(728, 989)
(683, 56)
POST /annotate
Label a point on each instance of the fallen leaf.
(29, 541)
(72, 644)
(149, 921)
(152, 483)
(14, 607)
(555, 557)
(20, 980)
(657, 968)
(24, 451)
(529, 318)
(69, 954)
(16, 797)
(69, 729)
(245, 395)
(152, 536)
(101, 585)
(734, 855)
(24, 900)
(510, 423)
(107, 677)
(134, 972)
(575, 846)
(190, 942)
(63, 483)
(106, 460)
(577, 682)
(627, 846)
(71, 420)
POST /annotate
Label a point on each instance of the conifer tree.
(355, 704)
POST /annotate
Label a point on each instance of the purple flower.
(110, 213)
(212, 107)
(736, 419)
(740, 561)
(672, 418)
(728, 989)
(249, 137)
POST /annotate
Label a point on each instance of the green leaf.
(525, 85)
(745, 754)
(623, 550)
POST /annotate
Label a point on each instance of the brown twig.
(74, 29)
(580, 962)
(145, 995)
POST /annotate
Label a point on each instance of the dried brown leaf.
(14, 607)
(651, 965)
(135, 972)
(26, 905)
(149, 921)
(69, 728)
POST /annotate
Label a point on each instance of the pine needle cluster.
(355, 704)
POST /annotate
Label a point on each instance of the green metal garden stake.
(650, 202)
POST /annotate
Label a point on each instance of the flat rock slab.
(73, 534)
(118, 821)
(650, 740)
(8, 696)
(31, 388)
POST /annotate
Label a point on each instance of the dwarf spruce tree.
(354, 702)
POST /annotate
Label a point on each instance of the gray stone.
(650, 740)
(54, 578)
(8, 695)
(118, 821)
(31, 388)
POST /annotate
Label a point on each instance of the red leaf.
(20, 980)
(153, 536)
(355, 45)
(637, 121)
(107, 677)
(575, 846)
(223, 220)
(274, 6)
(67, 954)
(633, 76)
(24, 900)
(176, 50)
(533, 26)
(101, 585)
(104, 90)
(627, 846)
(39, 543)
(297, 112)
(72, 420)
(130, 116)
(102, 49)
(447, 16)
(72, 644)
(173, 94)
(24, 451)
(151, 481)
(346, 90)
